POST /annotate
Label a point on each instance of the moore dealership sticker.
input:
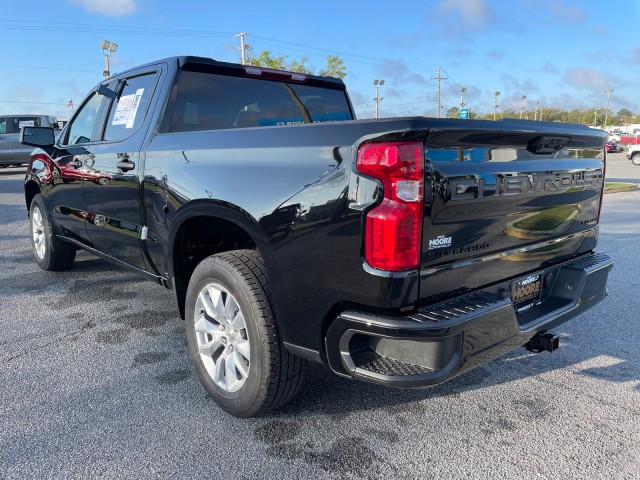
(526, 292)
(440, 242)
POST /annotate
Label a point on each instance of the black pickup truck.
(399, 251)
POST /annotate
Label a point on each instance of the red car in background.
(611, 146)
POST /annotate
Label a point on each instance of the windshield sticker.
(127, 109)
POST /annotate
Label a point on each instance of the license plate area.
(526, 292)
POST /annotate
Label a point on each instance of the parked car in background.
(633, 139)
(12, 152)
(611, 146)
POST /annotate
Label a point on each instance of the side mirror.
(37, 136)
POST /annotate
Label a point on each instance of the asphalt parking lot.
(95, 382)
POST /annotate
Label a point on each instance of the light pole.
(462, 92)
(606, 112)
(377, 99)
(107, 49)
(535, 114)
(496, 94)
(522, 100)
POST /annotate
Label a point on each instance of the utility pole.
(496, 94)
(606, 112)
(580, 117)
(439, 78)
(242, 48)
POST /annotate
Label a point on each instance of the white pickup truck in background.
(633, 154)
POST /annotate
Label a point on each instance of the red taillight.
(393, 229)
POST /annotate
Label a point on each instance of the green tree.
(624, 117)
(593, 116)
(551, 115)
(265, 59)
(300, 66)
(335, 67)
(453, 112)
(576, 116)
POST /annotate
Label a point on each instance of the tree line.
(333, 68)
(590, 116)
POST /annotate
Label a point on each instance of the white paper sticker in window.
(25, 123)
(127, 109)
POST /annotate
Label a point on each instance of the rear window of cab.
(209, 101)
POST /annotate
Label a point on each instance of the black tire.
(50, 253)
(636, 159)
(273, 376)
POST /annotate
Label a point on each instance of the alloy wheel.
(222, 337)
(37, 229)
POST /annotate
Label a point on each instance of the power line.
(34, 103)
(115, 29)
(468, 94)
(364, 58)
(47, 68)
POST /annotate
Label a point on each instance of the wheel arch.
(218, 227)
(31, 189)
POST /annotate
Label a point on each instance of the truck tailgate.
(503, 202)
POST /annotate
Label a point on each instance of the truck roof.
(191, 61)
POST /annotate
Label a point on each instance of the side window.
(81, 129)
(128, 111)
(19, 122)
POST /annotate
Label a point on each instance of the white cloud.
(115, 8)
(569, 13)
(634, 55)
(588, 78)
(473, 13)
(525, 87)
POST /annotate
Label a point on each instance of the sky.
(564, 54)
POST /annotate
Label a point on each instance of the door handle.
(125, 165)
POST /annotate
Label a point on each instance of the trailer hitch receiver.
(543, 342)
